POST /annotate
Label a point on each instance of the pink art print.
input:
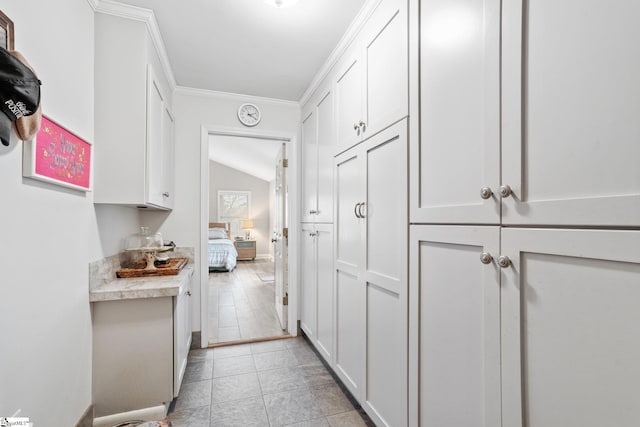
(62, 156)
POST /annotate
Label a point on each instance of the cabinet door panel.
(459, 151)
(308, 279)
(349, 227)
(349, 99)
(168, 158)
(325, 273)
(350, 332)
(155, 112)
(569, 301)
(309, 167)
(456, 301)
(326, 151)
(386, 55)
(571, 145)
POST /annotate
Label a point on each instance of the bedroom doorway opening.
(248, 196)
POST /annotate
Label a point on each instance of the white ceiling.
(248, 47)
(256, 157)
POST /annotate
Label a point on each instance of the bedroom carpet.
(241, 305)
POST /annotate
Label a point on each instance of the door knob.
(273, 240)
(504, 261)
(486, 193)
(486, 258)
(505, 191)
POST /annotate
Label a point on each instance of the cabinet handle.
(486, 258)
(313, 212)
(486, 193)
(504, 261)
(363, 126)
(505, 191)
(360, 210)
(313, 234)
(188, 293)
(355, 210)
(356, 127)
(165, 194)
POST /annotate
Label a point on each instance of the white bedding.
(222, 254)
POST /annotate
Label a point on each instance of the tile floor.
(241, 305)
(272, 383)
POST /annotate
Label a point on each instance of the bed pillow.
(218, 233)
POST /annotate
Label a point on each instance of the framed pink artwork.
(58, 156)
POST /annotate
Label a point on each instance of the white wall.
(45, 366)
(193, 111)
(222, 177)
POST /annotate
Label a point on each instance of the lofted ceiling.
(248, 47)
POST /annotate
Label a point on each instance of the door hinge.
(285, 163)
(285, 233)
(285, 299)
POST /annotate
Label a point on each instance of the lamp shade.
(247, 223)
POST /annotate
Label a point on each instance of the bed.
(222, 253)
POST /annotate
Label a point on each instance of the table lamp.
(247, 225)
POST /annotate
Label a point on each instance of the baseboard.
(155, 413)
(86, 420)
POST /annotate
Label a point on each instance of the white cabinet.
(134, 158)
(371, 274)
(181, 335)
(317, 317)
(570, 345)
(570, 147)
(455, 306)
(371, 78)
(318, 149)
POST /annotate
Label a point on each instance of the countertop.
(142, 287)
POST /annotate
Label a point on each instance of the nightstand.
(246, 249)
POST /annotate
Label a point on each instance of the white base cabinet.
(371, 274)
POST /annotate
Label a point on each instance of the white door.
(570, 328)
(326, 150)
(308, 284)
(571, 134)
(455, 304)
(324, 290)
(281, 238)
(459, 145)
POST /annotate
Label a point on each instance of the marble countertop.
(142, 287)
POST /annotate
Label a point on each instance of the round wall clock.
(249, 114)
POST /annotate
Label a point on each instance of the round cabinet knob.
(486, 193)
(505, 191)
(504, 261)
(189, 293)
(486, 258)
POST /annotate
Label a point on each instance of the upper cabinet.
(134, 124)
(543, 134)
(318, 148)
(371, 78)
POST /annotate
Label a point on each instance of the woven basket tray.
(137, 269)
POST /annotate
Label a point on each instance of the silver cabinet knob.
(356, 127)
(505, 191)
(486, 258)
(362, 125)
(312, 234)
(486, 192)
(165, 194)
(504, 261)
(189, 293)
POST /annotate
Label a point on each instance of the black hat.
(19, 92)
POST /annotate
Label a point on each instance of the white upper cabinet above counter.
(134, 124)
(371, 78)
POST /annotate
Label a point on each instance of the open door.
(280, 238)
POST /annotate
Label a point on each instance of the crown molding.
(350, 34)
(184, 90)
(111, 7)
(93, 4)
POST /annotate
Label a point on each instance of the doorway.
(250, 302)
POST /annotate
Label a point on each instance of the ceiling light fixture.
(281, 4)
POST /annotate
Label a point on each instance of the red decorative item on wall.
(59, 157)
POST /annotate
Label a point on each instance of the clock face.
(249, 114)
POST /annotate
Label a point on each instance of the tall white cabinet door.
(325, 291)
(309, 166)
(349, 253)
(326, 151)
(348, 92)
(385, 52)
(571, 134)
(155, 160)
(308, 280)
(455, 305)
(458, 152)
(570, 328)
(168, 158)
(385, 275)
